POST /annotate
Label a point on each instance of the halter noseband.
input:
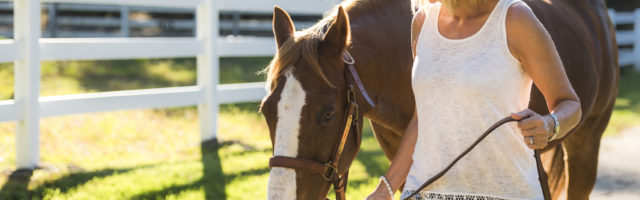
(329, 170)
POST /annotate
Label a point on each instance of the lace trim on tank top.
(425, 195)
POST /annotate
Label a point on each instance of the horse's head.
(306, 105)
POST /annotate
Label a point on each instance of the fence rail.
(28, 49)
(95, 20)
(628, 40)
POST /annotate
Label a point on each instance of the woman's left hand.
(535, 128)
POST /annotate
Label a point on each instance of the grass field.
(156, 154)
(626, 112)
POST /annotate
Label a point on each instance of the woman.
(475, 63)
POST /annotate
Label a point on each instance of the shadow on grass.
(172, 190)
(17, 185)
(212, 175)
(73, 180)
(213, 180)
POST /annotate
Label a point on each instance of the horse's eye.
(328, 115)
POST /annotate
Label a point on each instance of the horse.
(585, 39)
(357, 63)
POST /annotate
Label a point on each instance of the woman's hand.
(381, 193)
(536, 129)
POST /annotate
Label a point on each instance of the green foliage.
(240, 70)
(93, 76)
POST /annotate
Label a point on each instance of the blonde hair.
(417, 4)
(459, 3)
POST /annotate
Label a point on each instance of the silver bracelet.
(556, 127)
(384, 179)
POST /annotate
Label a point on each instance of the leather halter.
(329, 170)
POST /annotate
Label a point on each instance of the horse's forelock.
(305, 44)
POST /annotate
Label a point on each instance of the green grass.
(626, 112)
(156, 154)
(99, 156)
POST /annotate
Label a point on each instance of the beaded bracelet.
(384, 179)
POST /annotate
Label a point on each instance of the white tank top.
(461, 87)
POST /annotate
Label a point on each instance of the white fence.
(65, 20)
(628, 56)
(28, 49)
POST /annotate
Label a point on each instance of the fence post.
(52, 20)
(208, 63)
(235, 29)
(636, 43)
(27, 82)
(124, 21)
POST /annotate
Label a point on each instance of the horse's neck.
(381, 45)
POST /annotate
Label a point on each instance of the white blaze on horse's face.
(282, 181)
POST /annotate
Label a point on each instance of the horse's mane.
(305, 44)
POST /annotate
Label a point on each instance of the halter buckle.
(329, 172)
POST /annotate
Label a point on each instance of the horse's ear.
(338, 35)
(283, 28)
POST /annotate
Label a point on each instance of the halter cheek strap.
(348, 59)
(329, 170)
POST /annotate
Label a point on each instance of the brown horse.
(308, 79)
(585, 39)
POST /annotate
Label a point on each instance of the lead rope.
(493, 127)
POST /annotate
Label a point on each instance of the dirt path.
(619, 167)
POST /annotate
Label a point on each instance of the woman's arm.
(532, 45)
(401, 163)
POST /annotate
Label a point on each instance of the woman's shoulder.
(418, 18)
(420, 14)
(417, 22)
(519, 11)
(521, 20)
(526, 35)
